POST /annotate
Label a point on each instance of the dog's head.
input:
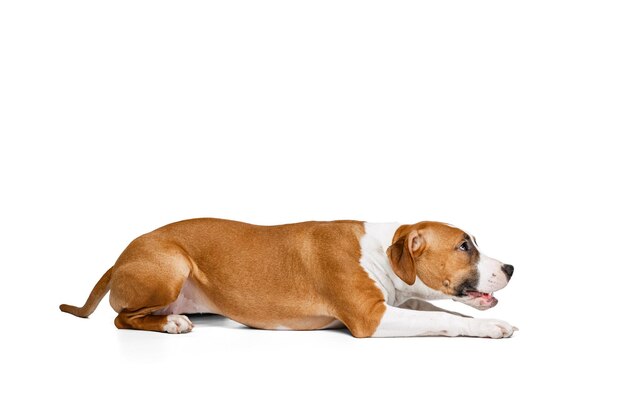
(438, 261)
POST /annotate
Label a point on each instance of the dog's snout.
(508, 270)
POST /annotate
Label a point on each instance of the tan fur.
(98, 292)
(429, 250)
(403, 253)
(299, 276)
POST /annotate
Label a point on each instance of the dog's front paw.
(177, 324)
(491, 328)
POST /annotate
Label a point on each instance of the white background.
(503, 118)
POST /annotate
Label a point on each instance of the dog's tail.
(100, 289)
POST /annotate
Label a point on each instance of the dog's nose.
(508, 270)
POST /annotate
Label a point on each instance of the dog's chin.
(478, 300)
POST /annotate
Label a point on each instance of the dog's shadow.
(214, 320)
(218, 321)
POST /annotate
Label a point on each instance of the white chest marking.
(374, 244)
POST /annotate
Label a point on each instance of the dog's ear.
(402, 254)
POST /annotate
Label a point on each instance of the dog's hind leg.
(146, 281)
(143, 320)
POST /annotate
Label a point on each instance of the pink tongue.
(480, 295)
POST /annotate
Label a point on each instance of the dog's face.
(446, 260)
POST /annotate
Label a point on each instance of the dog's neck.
(378, 237)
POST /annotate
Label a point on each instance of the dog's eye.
(464, 246)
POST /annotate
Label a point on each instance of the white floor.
(56, 363)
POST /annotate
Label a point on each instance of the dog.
(374, 279)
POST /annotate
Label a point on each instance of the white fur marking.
(177, 324)
(421, 291)
(398, 322)
(491, 276)
(374, 244)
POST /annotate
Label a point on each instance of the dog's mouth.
(479, 300)
(474, 294)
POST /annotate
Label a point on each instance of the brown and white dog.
(372, 278)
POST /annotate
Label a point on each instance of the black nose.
(508, 270)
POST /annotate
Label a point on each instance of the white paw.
(177, 324)
(491, 328)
